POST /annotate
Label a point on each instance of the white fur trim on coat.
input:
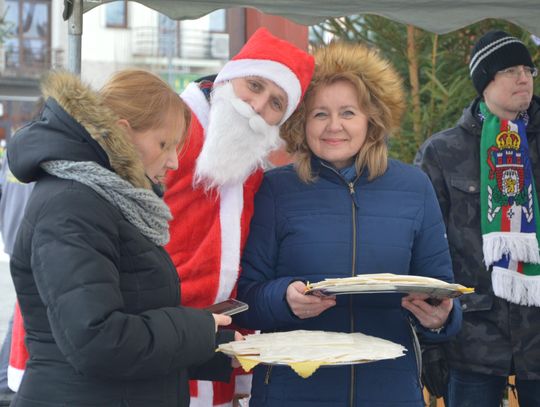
(196, 100)
(242, 384)
(230, 215)
(14, 378)
(205, 398)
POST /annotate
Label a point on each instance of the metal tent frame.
(438, 16)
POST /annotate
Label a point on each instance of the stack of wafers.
(389, 283)
(306, 351)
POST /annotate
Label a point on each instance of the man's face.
(238, 139)
(510, 91)
(264, 96)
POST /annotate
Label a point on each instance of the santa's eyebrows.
(266, 83)
(282, 98)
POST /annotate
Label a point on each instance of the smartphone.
(228, 307)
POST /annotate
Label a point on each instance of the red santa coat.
(18, 352)
(208, 233)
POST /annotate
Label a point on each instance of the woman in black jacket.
(98, 294)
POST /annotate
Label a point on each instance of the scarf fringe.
(520, 246)
(516, 288)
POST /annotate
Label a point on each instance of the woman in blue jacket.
(345, 209)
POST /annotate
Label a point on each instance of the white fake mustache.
(237, 141)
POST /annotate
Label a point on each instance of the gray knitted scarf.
(141, 207)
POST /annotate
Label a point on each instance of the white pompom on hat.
(272, 58)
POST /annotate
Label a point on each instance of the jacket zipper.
(350, 185)
(351, 190)
(417, 352)
(267, 376)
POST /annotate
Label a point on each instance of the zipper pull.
(267, 375)
(351, 188)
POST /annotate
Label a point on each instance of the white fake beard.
(237, 141)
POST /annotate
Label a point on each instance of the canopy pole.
(75, 28)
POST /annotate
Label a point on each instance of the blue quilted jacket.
(333, 228)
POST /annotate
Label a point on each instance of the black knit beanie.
(494, 51)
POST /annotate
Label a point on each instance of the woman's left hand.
(237, 337)
(430, 315)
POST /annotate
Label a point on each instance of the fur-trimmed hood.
(379, 77)
(74, 125)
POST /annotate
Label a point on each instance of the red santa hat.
(274, 59)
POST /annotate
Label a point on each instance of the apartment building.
(34, 38)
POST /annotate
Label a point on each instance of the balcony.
(29, 62)
(180, 47)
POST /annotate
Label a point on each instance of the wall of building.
(59, 29)
(177, 56)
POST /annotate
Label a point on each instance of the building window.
(28, 50)
(116, 14)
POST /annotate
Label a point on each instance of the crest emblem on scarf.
(506, 163)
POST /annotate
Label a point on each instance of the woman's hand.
(222, 320)
(306, 306)
(237, 337)
(432, 316)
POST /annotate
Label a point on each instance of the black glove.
(434, 369)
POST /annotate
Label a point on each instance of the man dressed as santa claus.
(235, 125)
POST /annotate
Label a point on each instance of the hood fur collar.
(86, 107)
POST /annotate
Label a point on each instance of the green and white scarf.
(509, 208)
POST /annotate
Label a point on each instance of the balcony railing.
(27, 62)
(180, 43)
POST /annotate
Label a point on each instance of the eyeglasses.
(514, 72)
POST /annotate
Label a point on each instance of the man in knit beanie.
(486, 174)
(494, 52)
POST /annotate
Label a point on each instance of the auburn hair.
(143, 99)
(380, 95)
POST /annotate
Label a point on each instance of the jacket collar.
(323, 169)
(471, 122)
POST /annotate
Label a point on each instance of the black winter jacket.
(100, 301)
(497, 337)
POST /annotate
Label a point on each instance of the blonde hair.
(143, 99)
(380, 96)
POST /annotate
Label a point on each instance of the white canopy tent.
(439, 16)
